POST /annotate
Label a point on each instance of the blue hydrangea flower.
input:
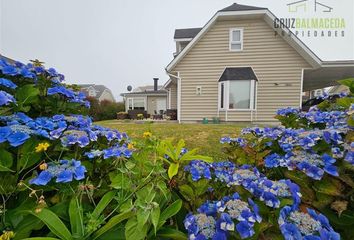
(200, 226)
(117, 151)
(6, 98)
(4, 133)
(299, 225)
(64, 171)
(17, 138)
(288, 111)
(227, 212)
(199, 169)
(7, 83)
(9, 70)
(349, 157)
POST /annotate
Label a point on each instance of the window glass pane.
(236, 46)
(139, 103)
(236, 35)
(239, 94)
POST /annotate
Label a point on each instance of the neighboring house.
(338, 89)
(100, 92)
(236, 68)
(151, 99)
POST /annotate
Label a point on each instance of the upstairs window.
(236, 39)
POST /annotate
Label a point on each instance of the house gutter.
(178, 94)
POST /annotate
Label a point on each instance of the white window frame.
(253, 92)
(235, 42)
(132, 101)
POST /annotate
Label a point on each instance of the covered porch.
(327, 75)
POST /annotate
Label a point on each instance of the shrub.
(104, 110)
(61, 176)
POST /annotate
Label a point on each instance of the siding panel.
(277, 65)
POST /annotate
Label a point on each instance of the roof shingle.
(186, 33)
(239, 7)
(240, 73)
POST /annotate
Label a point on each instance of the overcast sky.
(125, 42)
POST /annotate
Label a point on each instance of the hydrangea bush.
(62, 177)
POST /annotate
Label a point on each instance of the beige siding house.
(100, 92)
(152, 99)
(238, 67)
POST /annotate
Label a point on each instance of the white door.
(160, 105)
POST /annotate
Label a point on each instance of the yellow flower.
(7, 235)
(130, 146)
(147, 134)
(42, 147)
(43, 166)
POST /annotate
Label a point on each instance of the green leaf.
(120, 181)
(170, 211)
(132, 232)
(55, 225)
(103, 203)
(201, 186)
(187, 192)
(190, 157)
(173, 170)
(26, 94)
(328, 186)
(155, 217)
(163, 188)
(26, 226)
(5, 169)
(6, 158)
(142, 216)
(76, 218)
(170, 233)
(28, 157)
(146, 194)
(112, 223)
(126, 206)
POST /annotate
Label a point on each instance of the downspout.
(178, 94)
(301, 86)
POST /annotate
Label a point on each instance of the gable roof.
(186, 33)
(238, 73)
(99, 88)
(237, 10)
(239, 7)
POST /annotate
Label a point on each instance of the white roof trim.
(166, 84)
(183, 39)
(294, 41)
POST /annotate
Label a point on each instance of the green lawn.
(205, 137)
